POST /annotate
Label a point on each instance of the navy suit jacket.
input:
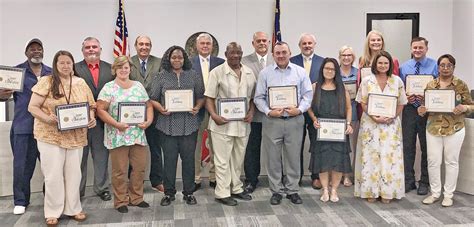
(316, 62)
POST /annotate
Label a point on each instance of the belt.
(286, 117)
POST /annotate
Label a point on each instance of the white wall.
(463, 22)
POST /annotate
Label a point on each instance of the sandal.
(81, 216)
(334, 196)
(386, 201)
(371, 200)
(347, 182)
(51, 222)
(325, 195)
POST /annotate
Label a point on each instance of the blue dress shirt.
(427, 66)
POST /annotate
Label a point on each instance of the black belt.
(286, 117)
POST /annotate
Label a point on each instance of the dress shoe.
(197, 186)
(447, 202)
(275, 199)
(105, 196)
(166, 200)
(212, 184)
(316, 184)
(122, 209)
(158, 188)
(143, 204)
(409, 187)
(228, 201)
(19, 210)
(422, 189)
(430, 200)
(242, 196)
(295, 198)
(249, 188)
(190, 199)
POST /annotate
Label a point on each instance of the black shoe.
(197, 186)
(143, 204)
(166, 200)
(212, 184)
(243, 196)
(422, 189)
(105, 196)
(276, 199)
(227, 201)
(249, 188)
(409, 187)
(295, 198)
(123, 209)
(190, 199)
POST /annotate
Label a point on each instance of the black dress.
(329, 156)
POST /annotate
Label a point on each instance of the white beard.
(36, 60)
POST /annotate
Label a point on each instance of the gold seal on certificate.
(72, 116)
(351, 87)
(11, 78)
(442, 100)
(365, 72)
(416, 84)
(132, 113)
(282, 96)
(232, 109)
(179, 100)
(382, 105)
(332, 130)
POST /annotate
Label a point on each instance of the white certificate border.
(70, 106)
(391, 115)
(352, 83)
(410, 77)
(239, 99)
(440, 110)
(22, 81)
(331, 120)
(179, 91)
(126, 104)
(294, 87)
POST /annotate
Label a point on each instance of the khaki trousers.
(121, 157)
(61, 168)
(197, 153)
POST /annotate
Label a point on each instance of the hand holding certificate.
(72, 116)
(416, 84)
(11, 78)
(131, 113)
(232, 109)
(382, 105)
(332, 130)
(179, 100)
(442, 101)
(282, 97)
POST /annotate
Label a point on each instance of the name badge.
(132, 113)
(72, 116)
(232, 109)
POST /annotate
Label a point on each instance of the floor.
(349, 211)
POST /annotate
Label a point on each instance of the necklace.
(68, 98)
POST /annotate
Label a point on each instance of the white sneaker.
(19, 210)
(430, 200)
(447, 202)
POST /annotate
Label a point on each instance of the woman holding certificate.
(447, 100)
(332, 102)
(178, 94)
(124, 107)
(379, 156)
(60, 149)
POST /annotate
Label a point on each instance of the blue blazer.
(315, 65)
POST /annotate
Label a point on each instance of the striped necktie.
(143, 69)
(417, 102)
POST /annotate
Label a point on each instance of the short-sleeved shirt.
(112, 93)
(445, 124)
(49, 133)
(224, 83)
(177, 123)
(394, 87)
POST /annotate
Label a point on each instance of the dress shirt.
(291, 75)
(428, 66)
(94, 69)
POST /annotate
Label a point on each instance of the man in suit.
(96, 73)
(255, 61)
(311, 62)
(145, 69)
(203, 63)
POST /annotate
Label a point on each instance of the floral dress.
(113, 94)
(379, 168)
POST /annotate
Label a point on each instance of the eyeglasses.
(329, 69)
(346, 55)
(446, 66)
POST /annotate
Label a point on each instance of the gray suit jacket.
(105, 76)
(152, 68)
(252, 62)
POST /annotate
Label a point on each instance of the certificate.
(11, 78)
(382, 105)
(72, 116)
(351, 87)
(365, 72)
(131, 113)
(416, 84)
(233, 109)
(332, 130)
(179, 100)
(282, 96)
(442, 101)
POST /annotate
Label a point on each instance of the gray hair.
(204, 35)
(307, 34)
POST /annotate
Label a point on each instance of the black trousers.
(308, 125)
(156, 162)
(183, 146)
(252, 154)
(413, 125)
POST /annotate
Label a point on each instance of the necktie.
(205, 71)
(417, 102)
(262, 62)
(307, 65)
(143, 68)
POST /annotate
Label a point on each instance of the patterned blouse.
(177, 123)
(112, 93)
(445, 124)
(70, 139)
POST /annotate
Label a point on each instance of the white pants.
(61, 168)
(229, 152)
(451, 145)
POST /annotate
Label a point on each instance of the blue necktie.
(143, 69)
(417, 103)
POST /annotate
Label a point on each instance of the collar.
(422, 61)
(201, 58)
(454, 82)
(146, 60)
(275, 66)
(305, 58)
(93, 66)
(259, 57)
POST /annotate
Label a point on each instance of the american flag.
(121, 33)
(276, 27)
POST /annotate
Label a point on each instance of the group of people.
(383, 148)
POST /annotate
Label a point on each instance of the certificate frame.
(440, 100)
(382, 105)
(232, 109)
(132, 113)
(351, 87)
(12, 78)
(365, 72)
(277, 96)
(78, 112)
(416, 84)
(179, 100)
(332, 130)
